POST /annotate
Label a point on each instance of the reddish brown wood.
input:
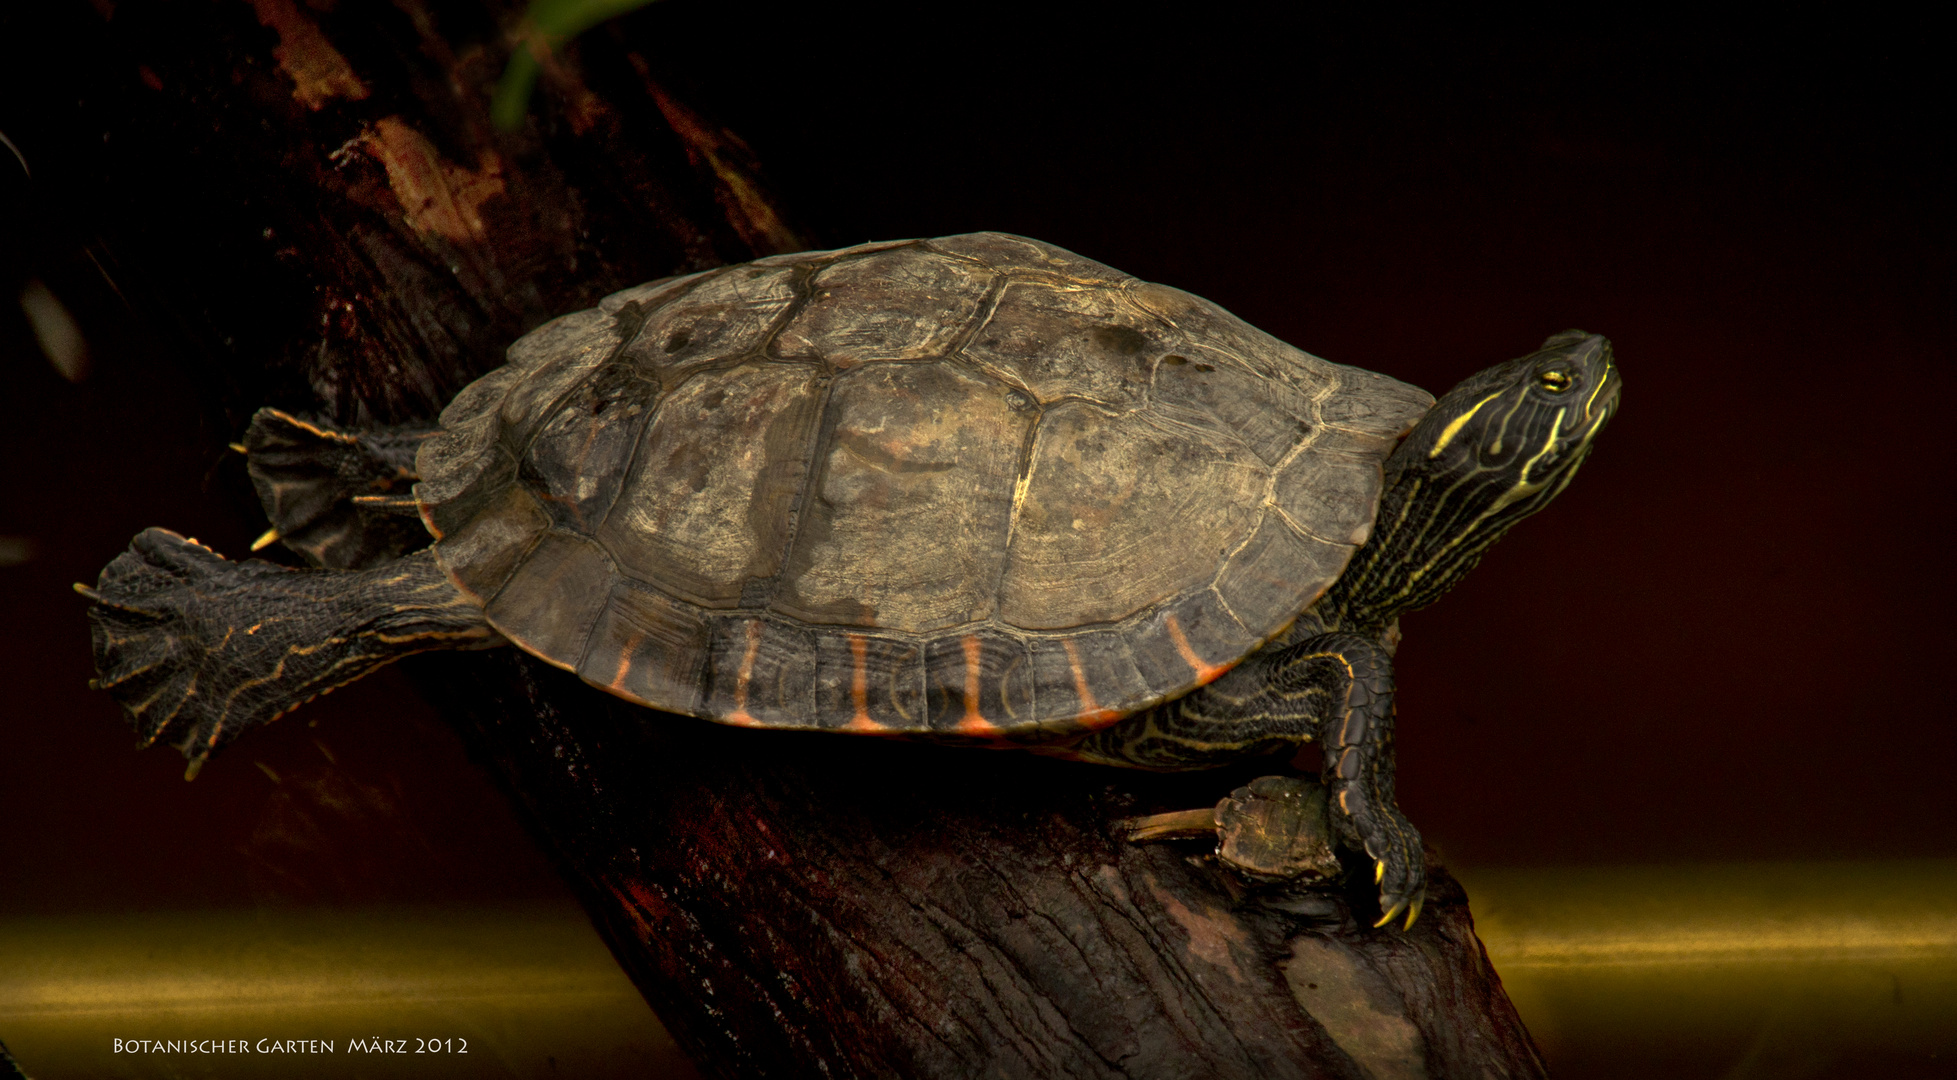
(317, 202)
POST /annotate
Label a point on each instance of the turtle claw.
(1399, 860)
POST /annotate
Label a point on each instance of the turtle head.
(1492, 451)
(1509, 438)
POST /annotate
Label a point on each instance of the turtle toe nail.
(1391, 914)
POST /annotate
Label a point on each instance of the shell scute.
(484, 550)
(979, 683)
(452, 459)
(649, 648)
(1332, 496)
(728, 315)
(1190, 641)
(1119, 513)
(1086, 680)
(1063, 342)
(706, 506)
(901, 304)
(918, 459)
(761, 672)
(867, 683)
(551, 605)
(1022, 255)
(652, 294)
(1261, 581)
(576, 464)
(1269, 418)
(1375, 411)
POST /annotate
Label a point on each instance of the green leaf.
(550, 24)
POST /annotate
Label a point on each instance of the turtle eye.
(1554, 380)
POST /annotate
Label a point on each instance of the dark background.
(1728, 640)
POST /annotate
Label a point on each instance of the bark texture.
(317, 201)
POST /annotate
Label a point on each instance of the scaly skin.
(199, 648)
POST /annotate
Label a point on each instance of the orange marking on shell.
(1205, 672)
(974, 722)
(740, 716)
(625, 662)
(859, 686)
(1090, 710)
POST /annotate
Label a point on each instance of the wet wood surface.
(791, 905)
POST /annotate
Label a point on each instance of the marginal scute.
(867, 682)
(1086, 680)
(977, 683)
(1190, 641)
(649, 648)
(1121, 512)
(487, 474)
(454, 458)
(706, 507)
(551, 602)
(761, 672)
(901, 304)
(1377, 410)
(480, 555)
(911, 501)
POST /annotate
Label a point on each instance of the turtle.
(975, 489)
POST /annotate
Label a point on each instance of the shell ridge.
(804, 289)
(988, 306)
(529, 549)
(631, 463)
(822, 433)
(639, 314)
(1299, 528)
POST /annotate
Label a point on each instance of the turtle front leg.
(1335, 689)
(1357, 738)
(199, 648)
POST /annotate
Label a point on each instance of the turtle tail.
(199, 648)
(341, 499)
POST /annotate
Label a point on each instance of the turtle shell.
(975, 485)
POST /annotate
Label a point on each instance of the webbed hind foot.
(340, 499)
(199, 648)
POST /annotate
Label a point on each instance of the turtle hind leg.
(198, 648)
(339, 499)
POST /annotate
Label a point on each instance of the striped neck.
(1491, 452)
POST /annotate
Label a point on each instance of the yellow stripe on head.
(1455, 425)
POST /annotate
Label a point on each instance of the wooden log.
(791, 905)
(804, 904)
